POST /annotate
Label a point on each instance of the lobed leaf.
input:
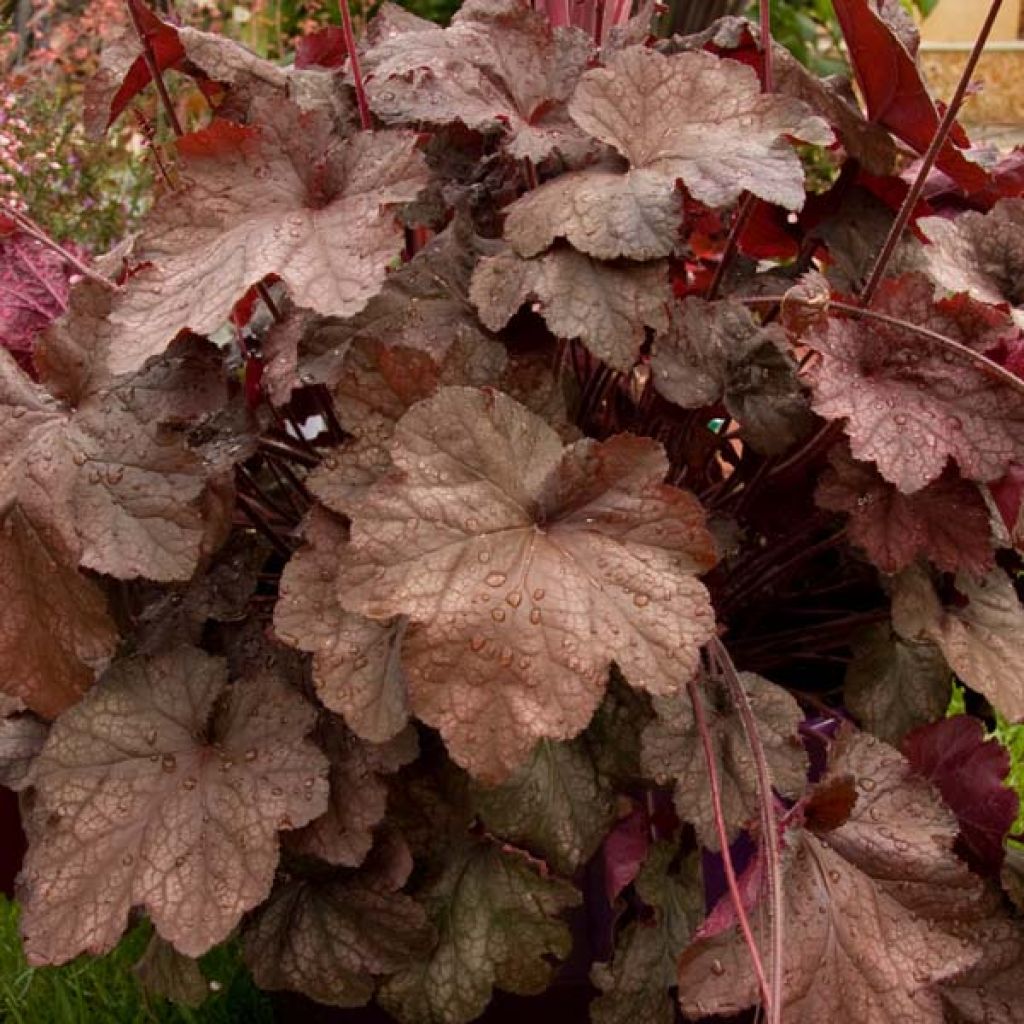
(717, 351)
(332, 939)
(980, 639)
(607, 306)
(635, 985)
(673, 752)
(500, 65)
(529, 566)
(498, 925)
(281, 197)
(164, 788)
(947, 521)
(556, 805)
(909, 403)
(969, 771)
(692, 117)
(874, 910)
(893, 685)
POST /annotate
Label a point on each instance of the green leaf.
(498, 925)
(635, 985)
(556, 805)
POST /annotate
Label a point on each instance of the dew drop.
(538, 594)
(189, 784)
(514, 598)
(476, 642)
(79, 458)
(506, 657)
(535, 616)
(498, 614)
(483, 557)
(641, 600)
(717, 968)
(495, 579)
(127, 860)
(168, 763)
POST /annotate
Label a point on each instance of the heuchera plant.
(492, 516)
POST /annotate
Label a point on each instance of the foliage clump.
(488, 466)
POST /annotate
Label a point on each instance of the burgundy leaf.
(947, 521)
(324, 48)
(625, 850)
(969, 771)
(910, 404)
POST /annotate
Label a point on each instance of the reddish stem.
(357, 72)
(732, 245)
(769, 826)
(768, 79)
(154, 69)
(723, 838)
(31, 228)
(941, 135)
(980, 362)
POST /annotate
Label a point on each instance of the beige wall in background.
(958, 21)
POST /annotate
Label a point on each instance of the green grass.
(103, 990)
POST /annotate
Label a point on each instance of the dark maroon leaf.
(946, 522)
(970, 772)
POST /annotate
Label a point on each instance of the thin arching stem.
(941, 135)
(769, 826)
(979, 361)
(723, 838)
(31, 228)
